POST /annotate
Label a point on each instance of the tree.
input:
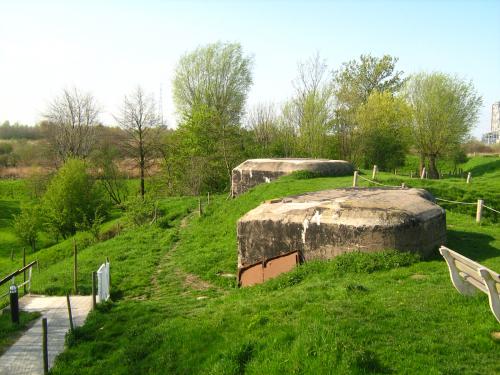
(72, 199)
(74, 115)
(214, 80)
(140, 120)
(445, 109)
(384, 130)
(206, 151)
(28, 224)
(110, 177)
(311, 110)
(217, 76)
(263, 122)
(353, 84)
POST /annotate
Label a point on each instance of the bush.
(140, 211)
(72, 199)
(28, 224)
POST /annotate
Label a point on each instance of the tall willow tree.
(445, 109)
(214, 79)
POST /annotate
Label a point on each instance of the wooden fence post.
(94, 302)
(208, 198)
(469, 175)
(109, 274)
(68, 303)
(411, 174)
(374, 173)
(423, 173)
(11, 254)
(75, 267)
(355, 179)
(199, 207)
(479, 210)
(45, 353)
(24, 273)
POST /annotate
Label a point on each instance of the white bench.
(467, 276)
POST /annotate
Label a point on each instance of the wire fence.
(480, 204)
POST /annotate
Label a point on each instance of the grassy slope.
(322, 318)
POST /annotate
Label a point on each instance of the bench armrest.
(493, 295)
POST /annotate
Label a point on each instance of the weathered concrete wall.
(324, 224)
(257, 171)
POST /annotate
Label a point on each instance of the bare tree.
(262, 119)
(74, 115)
(140, 120)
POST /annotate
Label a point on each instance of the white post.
(403, 186)
(355, 179)
(411, 174)
(374, 173)
(469, 175)
(479, 210)
(423, 173)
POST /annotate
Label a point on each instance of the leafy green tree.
(353, 84)
(384, 130)
(445, 109)
(72, 198)
(213, 82)
(206, 151)
(217, 76)
(311, 110)
(28, 224)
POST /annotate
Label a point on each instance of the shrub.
(28, 224)
(72, 199)
(140, 211)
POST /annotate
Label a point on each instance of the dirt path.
(188, 281)
(25, 355)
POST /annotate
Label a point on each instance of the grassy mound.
(176, 307)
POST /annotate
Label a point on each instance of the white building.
(494, 135)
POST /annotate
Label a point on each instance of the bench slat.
(478, 284)
(473, 273)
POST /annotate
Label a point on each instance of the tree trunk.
(421, 164)
(142, 167)
(433, 172)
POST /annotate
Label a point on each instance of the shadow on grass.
(7, 211)
(489, 167)
(475, 246)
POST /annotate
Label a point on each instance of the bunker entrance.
(259, 272)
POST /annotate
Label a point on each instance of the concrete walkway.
(25, 355)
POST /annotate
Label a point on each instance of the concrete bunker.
(324, 224)
(258, 171)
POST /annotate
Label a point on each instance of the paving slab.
(25, 355)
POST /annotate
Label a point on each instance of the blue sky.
(109, 47)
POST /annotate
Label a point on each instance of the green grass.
(9, 332)
(174, 312)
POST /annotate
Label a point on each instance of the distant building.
(494, 135)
